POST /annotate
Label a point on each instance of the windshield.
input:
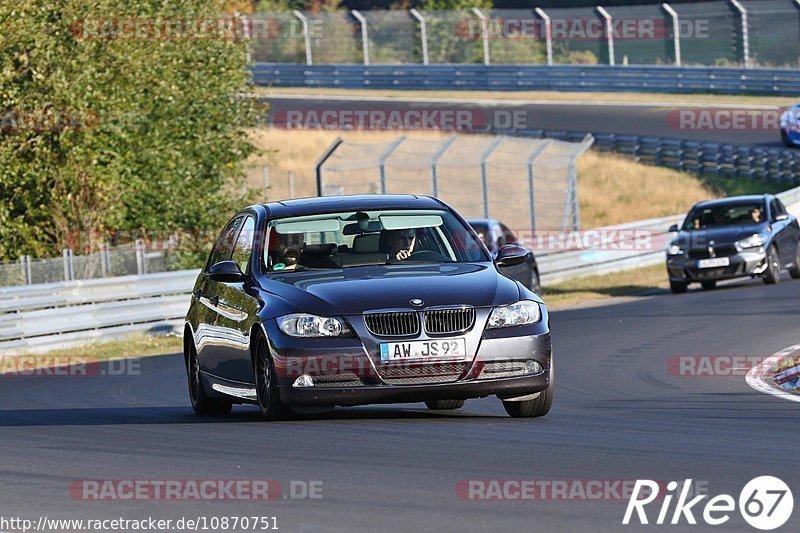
(715, 216)
(363, 238)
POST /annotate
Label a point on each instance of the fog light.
(303, 381)
(532, 367)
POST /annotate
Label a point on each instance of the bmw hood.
(724, 235)
(357, 289)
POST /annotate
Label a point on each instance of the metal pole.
(484, 32)
(321, 161)
(28, 276)
(364, 36)
(66, 255)
(435, 161)
(745, 32)
(484, 175)
(291, 184)
(609, 33)
(548, 33)
(423, 30)
(382, 160)
(586, 143)
(306, 35)
(676, 31)
(140, 266)
(104, 260)
(531, 194)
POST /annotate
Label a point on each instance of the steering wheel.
(428, 255)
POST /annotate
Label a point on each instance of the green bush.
(158, 138)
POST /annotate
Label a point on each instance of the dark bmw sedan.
(741, 236)
(308, 304)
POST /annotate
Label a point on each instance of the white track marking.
(756, 376)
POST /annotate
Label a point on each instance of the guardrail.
(721, 159)
(46, 316)
(715, 80)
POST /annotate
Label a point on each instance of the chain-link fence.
(107, 262)
(757, 33)
(527, 183)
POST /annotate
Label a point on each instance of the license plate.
(395, 351)
(714, 262)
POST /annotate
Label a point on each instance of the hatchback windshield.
(363, 238)
(714, 216)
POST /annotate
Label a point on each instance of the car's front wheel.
(444, 405)
(269, 402)
(535, 407)
(202, 404)
(677, 287)
(794, 270)
(773, 273)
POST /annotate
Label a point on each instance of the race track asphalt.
(619, 414)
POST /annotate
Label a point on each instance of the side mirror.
(511, 255)
(673, 228)
(226, 272)
(783, 216)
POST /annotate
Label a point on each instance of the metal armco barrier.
(715, 80)
(758, 162)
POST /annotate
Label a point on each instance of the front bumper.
(349, 371)
(743, 264)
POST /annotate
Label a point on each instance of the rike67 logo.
(765, 503)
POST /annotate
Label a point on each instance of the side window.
(510, 237)
(773, 210)
(244, 243)
(224, 245)
(781, 208)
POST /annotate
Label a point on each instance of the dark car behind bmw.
(741, 236)
(314, 303)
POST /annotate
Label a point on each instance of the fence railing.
(748, 33)
(774, 82)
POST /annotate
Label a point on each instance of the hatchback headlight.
(753, 241)
(674, 249)
(303, 325)
(517, 314)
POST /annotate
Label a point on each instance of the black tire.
(537, 407)
(773, 273)
(444, 405)
(794, 270)
(535, 284)
(709, 285)
(269, 402)
(785, 139)
(201, 403)
(678, 287)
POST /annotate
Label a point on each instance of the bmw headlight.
(674, 249)
(303, 325)
(517, 314)
(753, 241)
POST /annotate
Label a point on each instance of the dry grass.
(605, 288)
(612, 189)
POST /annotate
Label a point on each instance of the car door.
(212, 338)
(779, 223)
(789, 231)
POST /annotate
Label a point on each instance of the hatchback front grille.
(445, 321)
(725, 250)
(397, 324)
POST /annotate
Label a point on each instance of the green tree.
(156, 133)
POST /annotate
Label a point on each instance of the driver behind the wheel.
(401, 243)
